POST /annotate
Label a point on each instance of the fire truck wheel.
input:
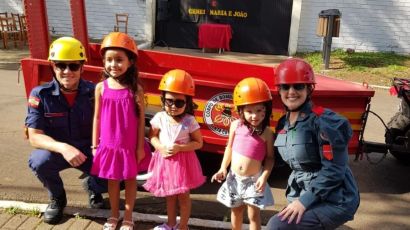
(402, 138)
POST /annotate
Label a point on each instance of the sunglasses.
(297, 87)
(72, 66)
(179, 103)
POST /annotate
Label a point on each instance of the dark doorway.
(258, 26)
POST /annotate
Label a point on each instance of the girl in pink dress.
(118, 131)
(175, 135)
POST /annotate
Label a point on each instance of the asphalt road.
(385, 191)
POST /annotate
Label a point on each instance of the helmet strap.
(117, 79)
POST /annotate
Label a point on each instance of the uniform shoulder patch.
(327, 152)
(318, 110)
(33, 102)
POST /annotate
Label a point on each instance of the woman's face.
(293, 95)
(254, 113)
(116, 62)
(174, 103)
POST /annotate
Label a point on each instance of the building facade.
(373, 25)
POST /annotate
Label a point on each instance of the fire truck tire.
(403, 157)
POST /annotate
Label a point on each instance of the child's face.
(116, 62)
(172, 101)
(254, 114)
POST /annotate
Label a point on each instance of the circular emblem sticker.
(219, 112)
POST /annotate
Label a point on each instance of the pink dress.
(115, 157)
(182, 171)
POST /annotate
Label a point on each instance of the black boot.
(95, 200)
(54, 210)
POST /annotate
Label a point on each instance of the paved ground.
(385, 187)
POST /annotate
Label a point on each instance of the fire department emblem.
(219, 112)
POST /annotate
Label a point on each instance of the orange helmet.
(119, 40)
(294, 70)
(251, 90)
(177, 81)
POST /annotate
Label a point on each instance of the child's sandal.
(111, 223)
(127, 225)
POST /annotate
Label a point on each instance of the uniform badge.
(33, 102)
(327, 152)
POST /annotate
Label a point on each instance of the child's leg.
(237, 217)
(130, 193)
(114, 195)
(254, 216)
(172, 210)
(184, 201)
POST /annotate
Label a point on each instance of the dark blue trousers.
(47, 167)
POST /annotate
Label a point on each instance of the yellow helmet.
(67, 49)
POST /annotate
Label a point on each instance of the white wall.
(11, 6)
(100, 17)
(371, 25)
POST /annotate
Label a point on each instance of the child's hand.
(165, 151)
(173, 149)
(219, 176)
(260, 185)
(140, 154)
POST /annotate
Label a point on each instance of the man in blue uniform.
(313, 141)
(59, 123)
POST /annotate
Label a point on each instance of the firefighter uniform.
(315, 148)
(49, 111)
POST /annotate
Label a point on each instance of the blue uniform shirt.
(49, 111)
(316, 149)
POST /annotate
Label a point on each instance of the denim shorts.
(239, 190)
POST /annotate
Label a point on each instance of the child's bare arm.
(141, 124)
(268, 162)
(195, 143)
(221, 174)
(96, 119)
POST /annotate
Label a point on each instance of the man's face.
(68, 73)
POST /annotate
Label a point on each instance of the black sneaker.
(54, 210)
(95, 200)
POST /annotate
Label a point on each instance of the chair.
(9, 30)
(121, 23)
(23, 28)
(4, 15)
(16, 19)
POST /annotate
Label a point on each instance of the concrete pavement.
(385, 188)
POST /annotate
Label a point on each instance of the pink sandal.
(127, 225)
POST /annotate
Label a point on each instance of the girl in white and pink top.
(175, 134)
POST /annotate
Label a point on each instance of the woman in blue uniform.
(313, 141)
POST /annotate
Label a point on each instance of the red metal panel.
(213, 77)
(78, 17)
(37, 28)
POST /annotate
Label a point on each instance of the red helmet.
(294, 70)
